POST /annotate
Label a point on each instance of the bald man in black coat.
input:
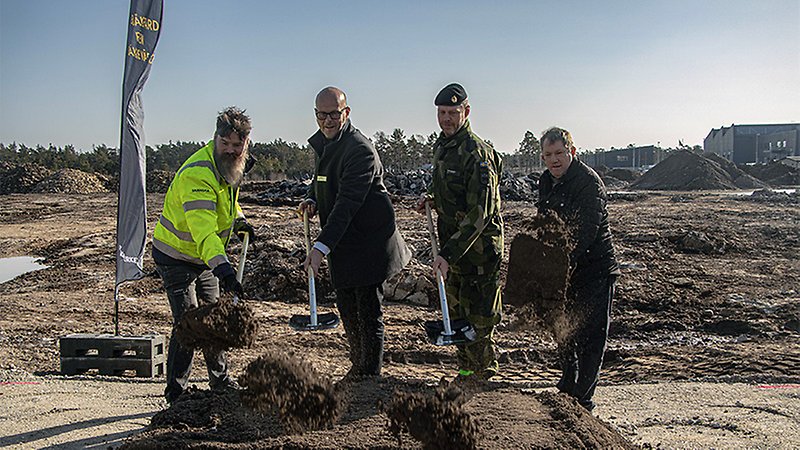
(359, 235)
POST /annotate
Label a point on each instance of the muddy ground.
(704, 349)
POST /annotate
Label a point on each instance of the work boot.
(226, 384)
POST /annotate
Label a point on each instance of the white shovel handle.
(312, 288)
(240, 267)
(448, 331)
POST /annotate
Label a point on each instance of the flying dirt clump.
(304, 400)
(218, 326)
(538, 274)
(438, 420)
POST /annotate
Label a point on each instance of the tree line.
(398, 152)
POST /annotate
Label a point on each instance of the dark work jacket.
(355, 211)
(579, 199)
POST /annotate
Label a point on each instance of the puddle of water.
(11, 268)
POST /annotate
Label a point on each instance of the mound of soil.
(775, 173)
(740, 178)
(685, 170)
(303, 400)
(221, 325)
(159, 180)
(71, 181)
(623, 174)
(276, 272)
(437, 420)
(538, 273)
(20, 179)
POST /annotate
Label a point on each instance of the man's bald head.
(332, 94)
(331, 110)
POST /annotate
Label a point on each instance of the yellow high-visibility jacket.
(199, 209)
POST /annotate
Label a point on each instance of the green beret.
(451, 95)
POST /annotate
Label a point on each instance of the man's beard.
(232, 167)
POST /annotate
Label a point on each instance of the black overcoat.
(355, 211)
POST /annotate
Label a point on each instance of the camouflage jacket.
(466, 193)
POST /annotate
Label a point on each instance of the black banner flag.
(144, 28)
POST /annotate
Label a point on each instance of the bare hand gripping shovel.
(314, 321)
(445, 332)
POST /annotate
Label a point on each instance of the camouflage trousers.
(476, 298)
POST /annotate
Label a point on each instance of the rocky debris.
(685, 170)
(436, 420)
(414, 284)
(524, 188)
(407, 184)
(303, 400)
(775, 173)
(275, 193)
(412, 183)
(218, 326)
(20, 179)
(698, 242)
(72, 181)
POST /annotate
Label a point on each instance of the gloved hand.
(240, 226)
(227, 279)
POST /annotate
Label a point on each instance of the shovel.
(240, 267)
(314, 321)
(445, 332)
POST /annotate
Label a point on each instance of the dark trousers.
(582, 354)
(185, 286)
(362, 317)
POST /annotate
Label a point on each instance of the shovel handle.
(312, 288)
(431, 231)
(448, 331)
(240, 267)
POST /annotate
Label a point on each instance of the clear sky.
(614, 73)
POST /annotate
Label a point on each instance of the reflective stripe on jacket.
(199, 210)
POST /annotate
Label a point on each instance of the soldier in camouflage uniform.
(466, 195)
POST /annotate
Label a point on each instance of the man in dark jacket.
(359, 235)
(576, 193)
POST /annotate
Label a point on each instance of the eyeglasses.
(335, 115)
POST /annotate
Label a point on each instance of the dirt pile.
(775, 173)
(437, 420)
(275, 272)
(740, 178)
(221, 325)
(538, 273)
(72, 181)
(275, 193)
(20, 179)
(685, 170)
(302, 399)
(159, 180)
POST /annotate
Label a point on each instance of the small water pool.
(11, 268)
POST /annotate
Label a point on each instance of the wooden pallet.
(113, 355)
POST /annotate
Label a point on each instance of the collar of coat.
(456, 139)
(318, 141)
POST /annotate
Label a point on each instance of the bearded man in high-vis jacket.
(201, 212)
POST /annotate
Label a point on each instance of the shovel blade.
(326, 321)
(463, 332)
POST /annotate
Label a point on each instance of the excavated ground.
(709, 293)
